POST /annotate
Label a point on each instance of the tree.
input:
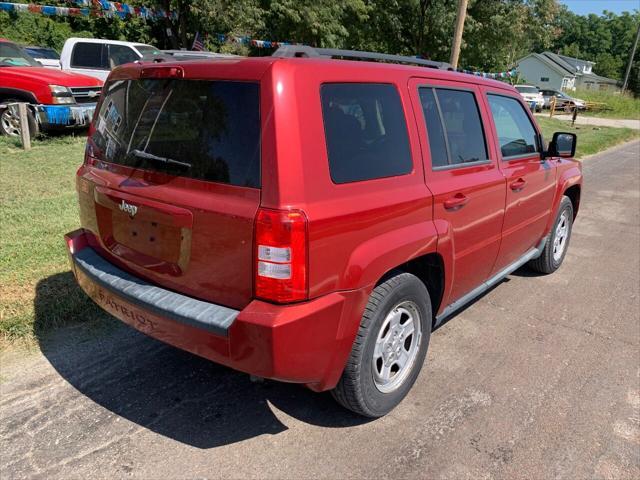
(320, 23)
(604, 39)
(497, 32)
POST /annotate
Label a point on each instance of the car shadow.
(470, 304)
(164, 389)
(527, 272)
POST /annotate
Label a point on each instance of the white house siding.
(532, 70)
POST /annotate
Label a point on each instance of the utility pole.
(457, 35)
(633, 54)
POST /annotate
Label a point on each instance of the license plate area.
(147, 233)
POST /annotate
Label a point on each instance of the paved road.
(597, 121)
(538, 379)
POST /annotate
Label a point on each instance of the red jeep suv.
(312, 219)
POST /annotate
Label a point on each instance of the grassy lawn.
(37, 193)
(38, 199)
(591, 139)
(619, 105)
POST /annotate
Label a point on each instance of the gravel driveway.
(540, 378)
(597, 121)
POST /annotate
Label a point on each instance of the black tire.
(357, 389)
(546, 263)
(33, 124)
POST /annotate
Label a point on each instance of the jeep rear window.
(365, 131)
(208, 130)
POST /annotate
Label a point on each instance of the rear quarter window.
(365, 131)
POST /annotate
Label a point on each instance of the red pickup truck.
(57, 99)
(312, 219)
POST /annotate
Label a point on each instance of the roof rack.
(292, 51)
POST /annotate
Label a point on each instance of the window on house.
(544, 79)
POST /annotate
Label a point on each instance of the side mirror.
(563, 145)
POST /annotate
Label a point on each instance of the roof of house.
(576, 63)
(556, 65)
(560, 61)
(568, 66)
(599, 79)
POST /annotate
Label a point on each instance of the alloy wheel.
(397, 346)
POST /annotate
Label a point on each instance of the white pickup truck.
(97, 57)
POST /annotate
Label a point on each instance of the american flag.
(198, 42)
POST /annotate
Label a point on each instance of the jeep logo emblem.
(128, 208)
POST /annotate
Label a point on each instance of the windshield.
(533, 90)
(13, 56)
(37, 52)
(208, 130)
(148, 50)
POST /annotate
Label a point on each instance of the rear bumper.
(305, 343)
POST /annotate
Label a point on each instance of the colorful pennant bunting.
(98, 8)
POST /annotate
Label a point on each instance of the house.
(559, 72)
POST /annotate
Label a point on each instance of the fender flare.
(369, 263)
(568, 178)
(372, 259)
(6, 92)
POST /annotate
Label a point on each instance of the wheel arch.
(17, 94)
(430, 270)
(573, 192)
(569, 183)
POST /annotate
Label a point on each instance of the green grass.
(38, 294)
(38, 200)
(619, 105)
(591, 139)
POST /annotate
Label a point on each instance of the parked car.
(97, 57)
(312, 220)
(46, 56)
(532, 96)
(181, 55)
(186, 54)
(57, 99)
(563, 101)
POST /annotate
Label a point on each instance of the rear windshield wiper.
(156, 158)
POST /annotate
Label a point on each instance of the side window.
(365, 130)
(88, 55)
(516, 134)
(435, 129)
(453, 125)
(120, 54)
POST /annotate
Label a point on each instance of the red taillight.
(89, 152)
(281, 255)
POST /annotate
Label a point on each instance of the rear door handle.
(456, 202)
(518, 184)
